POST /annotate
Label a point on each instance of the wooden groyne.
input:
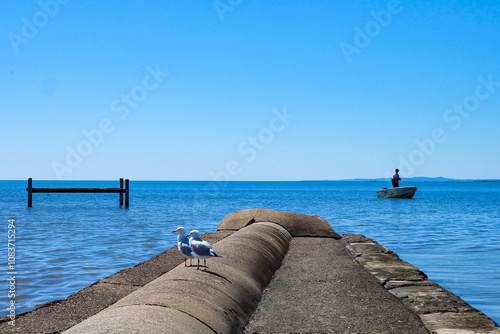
(121, 190)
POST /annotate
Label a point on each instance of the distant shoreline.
(414, 179)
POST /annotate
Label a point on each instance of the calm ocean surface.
(450, 230)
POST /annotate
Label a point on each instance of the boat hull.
(400, 192)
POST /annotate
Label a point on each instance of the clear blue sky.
(249, 90)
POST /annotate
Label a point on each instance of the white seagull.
(183, 245)
(201, 249)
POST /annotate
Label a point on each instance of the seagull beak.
(174, 231)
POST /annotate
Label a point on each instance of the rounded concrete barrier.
(186, 300)
(141, 319)
(297, 224)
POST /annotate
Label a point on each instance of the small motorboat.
(400, 192)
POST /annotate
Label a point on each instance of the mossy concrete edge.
(440, 310)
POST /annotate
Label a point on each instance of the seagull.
(201, 249)
(183, 245)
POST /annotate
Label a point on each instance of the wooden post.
(121, 193)
(120, 190)
(126, 193)
(30, 192)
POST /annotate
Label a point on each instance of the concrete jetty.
(280, 272)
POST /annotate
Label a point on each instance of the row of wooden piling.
(121, 190)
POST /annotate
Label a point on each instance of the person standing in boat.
(395, 179)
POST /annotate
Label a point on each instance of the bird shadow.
(215, 274)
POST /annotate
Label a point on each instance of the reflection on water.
(67, 241)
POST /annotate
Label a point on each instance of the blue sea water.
(450, 230)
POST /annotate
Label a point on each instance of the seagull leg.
(198, 264)
(205, 263)
(185, 262)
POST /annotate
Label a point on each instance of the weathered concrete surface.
(473, 322)
(441, 311)
(59, 315)
(380, 261)
(221, 298)
(316, 289)
(142, 319)
(297, 224)
(320, 289)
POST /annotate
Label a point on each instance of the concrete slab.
(441, 311)
(430, 299)
(320, 289)
(460, 323)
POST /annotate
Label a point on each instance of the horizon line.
(375, 179)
